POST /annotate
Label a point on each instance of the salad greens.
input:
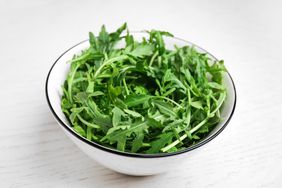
(143, 97)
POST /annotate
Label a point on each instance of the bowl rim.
(138, 155)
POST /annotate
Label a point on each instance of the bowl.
(124, 162)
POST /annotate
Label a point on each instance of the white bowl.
(124, 162)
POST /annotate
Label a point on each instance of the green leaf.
(120, 136)
(114, 91)
(93, 41)
(133, 113)
(158, 144)
(129, 41)
(165, 108)
(137, 142)
(215, 85)
(172, 125)
(103, 35)
(120, 103)
(96, 93)
(170, 77)
(117, 113)
(197, 104)
(140, 90)
(157, 117)
(89, 133)
(90, 88)
(65, 104)
(134, 100)
(116, 35)
(74, 113)
(79, 130)
(98, 118)
(141, 51)
(81, 97)
(155, 123)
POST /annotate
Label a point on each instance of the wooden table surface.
(34, 152)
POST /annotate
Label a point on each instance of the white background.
(34, 152)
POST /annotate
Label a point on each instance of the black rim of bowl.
(139, 155)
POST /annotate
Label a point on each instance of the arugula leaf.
(157, 36)
(93, 41)
(141, 50)
(120, 136)
(143, 97)
(165, 108)
(133, 113)
(115, 35)
(104, 36)
(79, 130)
(215, 85)
(158, 144)
(137, 142)
(134, 100)
(197, 104)
(117, 113)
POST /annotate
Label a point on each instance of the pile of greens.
(142, 97)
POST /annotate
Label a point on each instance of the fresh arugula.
(142, 98)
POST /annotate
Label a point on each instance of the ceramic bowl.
(124, 162)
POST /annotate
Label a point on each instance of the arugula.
(143, 97)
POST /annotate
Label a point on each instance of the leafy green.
(141, 51)
(136, 99)
(160, 142)
(116, 118)
(143, 97)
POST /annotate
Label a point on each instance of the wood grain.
(34, 152)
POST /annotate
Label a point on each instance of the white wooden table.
(34, 152)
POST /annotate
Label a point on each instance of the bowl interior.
(59, 70)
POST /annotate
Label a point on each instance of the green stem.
(109, 61)
(153, 58)
(168, 99)
(105, 76)
(146, 144)
(188, 108)
(82, 57)
(70, 82)
(87, 123)
(165, 149)
(169, 91)
(220, 102)
(88, 133)
(125, 86)
(197, 127)
(79, 80)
